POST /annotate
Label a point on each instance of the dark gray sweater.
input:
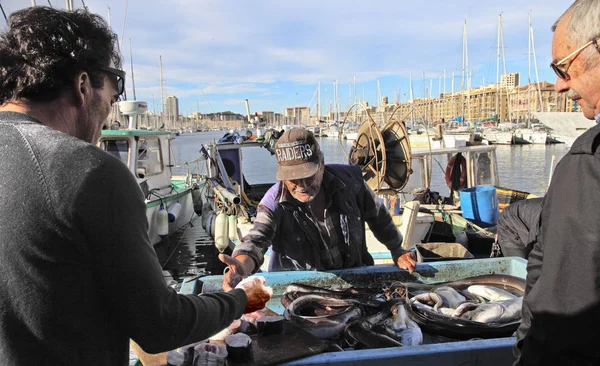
(78, 275)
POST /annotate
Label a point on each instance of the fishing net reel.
(383, 155)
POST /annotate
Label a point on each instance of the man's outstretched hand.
(258, 295)
(236, 273)
(407, 261)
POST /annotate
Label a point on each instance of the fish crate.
(506, 196)
(495, 351)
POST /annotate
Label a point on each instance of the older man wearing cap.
(314, 217)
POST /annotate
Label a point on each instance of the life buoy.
(463, 171)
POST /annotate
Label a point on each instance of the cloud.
(257, 48)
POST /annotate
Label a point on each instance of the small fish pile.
(354, 318)
(477, 307)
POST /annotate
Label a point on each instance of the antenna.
(162, 90)
(123, 28)
(131, 62)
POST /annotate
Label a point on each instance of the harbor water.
(521, 167)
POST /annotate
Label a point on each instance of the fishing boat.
(421, 215)
(147, 154)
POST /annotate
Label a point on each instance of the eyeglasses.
(566, 62)
(120, 74)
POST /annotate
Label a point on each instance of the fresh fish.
(362, 333)
(303, 312)
(504, 281)
(494, 312)
(405, 329)
(360, 296)
(491, 293)
(487, 313)
(447, 311)
(514, 284)
(451, 298)
(429, 298)
(463, 308)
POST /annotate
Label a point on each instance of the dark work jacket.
(79, 277)
(563, 289)
(286, 226)
(518, 227)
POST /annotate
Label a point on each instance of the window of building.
(149, 159)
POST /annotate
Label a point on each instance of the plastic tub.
(479, 204)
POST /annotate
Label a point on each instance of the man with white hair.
(562, 299)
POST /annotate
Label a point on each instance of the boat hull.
(184, 198)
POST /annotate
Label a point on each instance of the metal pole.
(131, 61)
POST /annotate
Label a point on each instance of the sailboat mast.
(508, 107)
(162, 91)
(498, 70)
(537, 76)
(319, 102)
(529, 71)
(468, 74)
(462, 80)
(131, 62)
(378, 94)
(412, 101)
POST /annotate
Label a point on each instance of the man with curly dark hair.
(79, 277)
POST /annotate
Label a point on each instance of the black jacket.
(518, 227)
(563, 289)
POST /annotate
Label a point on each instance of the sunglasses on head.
(120, 76)
(560, 67)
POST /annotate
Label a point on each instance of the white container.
(221, 232)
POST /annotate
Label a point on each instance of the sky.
(217, 53)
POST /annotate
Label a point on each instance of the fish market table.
(495, 351)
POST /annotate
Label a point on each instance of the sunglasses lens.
(120, 85)
(558, 71)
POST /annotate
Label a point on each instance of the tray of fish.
(448, 310)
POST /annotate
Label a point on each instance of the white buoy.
(221, 232)
(162, 221)
(232, 226)
(174, 211)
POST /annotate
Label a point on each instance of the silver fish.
(491, 293)
(339, 312)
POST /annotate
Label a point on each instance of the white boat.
(169, 201)
(566, 126)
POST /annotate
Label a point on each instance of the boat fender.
(452, 170)
(210, 225)
(221, 232)
(162, 221)
(232, 227)
(174, 211)
(206, 213)
(197, 200)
